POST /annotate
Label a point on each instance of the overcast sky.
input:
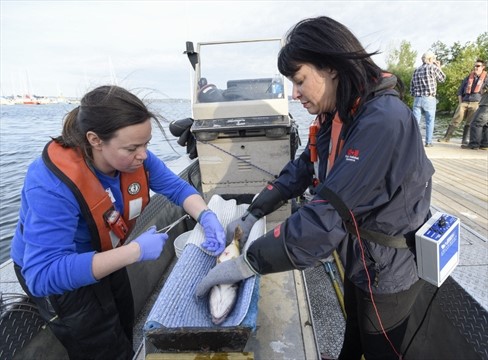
(68, 47)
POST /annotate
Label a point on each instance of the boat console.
(243, 130)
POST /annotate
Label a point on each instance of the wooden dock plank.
(460, 184)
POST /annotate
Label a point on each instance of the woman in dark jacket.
(372, 182)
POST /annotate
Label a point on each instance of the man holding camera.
(423, 88)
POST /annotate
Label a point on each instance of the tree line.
(456, 60)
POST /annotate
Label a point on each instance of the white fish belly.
(221, 301)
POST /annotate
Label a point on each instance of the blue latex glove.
(227, 272)
(214, 232)
(246, 222)
(151, 244)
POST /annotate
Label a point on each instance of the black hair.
(327, 44)
(103, 110)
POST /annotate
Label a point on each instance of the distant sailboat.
(7, 100)
(30, 100)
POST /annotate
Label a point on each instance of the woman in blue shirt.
(78, 205)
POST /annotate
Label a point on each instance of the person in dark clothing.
(478, 130)
(469, 95)
(372, 182)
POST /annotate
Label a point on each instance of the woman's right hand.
(151, 244)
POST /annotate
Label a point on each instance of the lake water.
(25, 129)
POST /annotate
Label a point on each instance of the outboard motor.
(182, 129)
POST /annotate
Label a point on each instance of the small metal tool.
(173, 224)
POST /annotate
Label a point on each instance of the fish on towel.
(223, 297)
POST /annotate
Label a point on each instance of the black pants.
(363, 333)
(478, 131)
(92, 322)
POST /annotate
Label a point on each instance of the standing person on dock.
(79, 204)
(372, 181)
(478, 129)
(423, 88)
(469, 95)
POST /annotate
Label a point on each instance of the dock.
(460, 183)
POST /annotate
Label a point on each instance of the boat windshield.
(238, 71)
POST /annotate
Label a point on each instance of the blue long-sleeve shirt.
(52, 242)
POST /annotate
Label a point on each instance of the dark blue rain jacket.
(383, 175)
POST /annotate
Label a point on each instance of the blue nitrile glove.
(246, 222)
(151, 244)
(214, 232)
(227, 272)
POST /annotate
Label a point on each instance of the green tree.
(401, 62)
(457, 62)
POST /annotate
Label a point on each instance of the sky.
(54, 48)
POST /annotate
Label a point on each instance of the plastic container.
(180, 242)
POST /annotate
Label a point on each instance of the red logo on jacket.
(352, 154)
(277, 231)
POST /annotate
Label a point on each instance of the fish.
(223, 297)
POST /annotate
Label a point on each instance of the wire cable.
(400, 356)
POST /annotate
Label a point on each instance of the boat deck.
(299, 315)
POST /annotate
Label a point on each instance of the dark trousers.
(478, 132)
(92, 322)
(363, 333)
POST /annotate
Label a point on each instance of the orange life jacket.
(469, 84)
(70, 166)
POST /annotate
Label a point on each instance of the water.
(25, 129)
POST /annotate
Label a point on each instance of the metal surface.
(328, 319)
(19, 323)
(466, 315)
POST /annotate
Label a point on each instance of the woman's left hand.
(214, 232)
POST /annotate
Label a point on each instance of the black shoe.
(471, 147)
(429, 145)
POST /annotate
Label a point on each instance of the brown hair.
(103, 110)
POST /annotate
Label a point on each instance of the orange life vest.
(469, 84)
(70, 166)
